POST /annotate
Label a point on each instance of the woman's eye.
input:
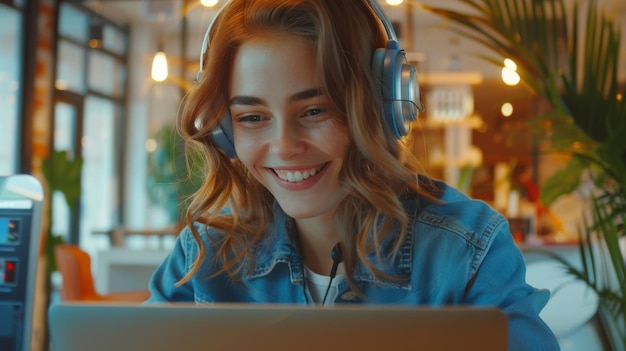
(249, 118)
(315, 112)
(250, 121)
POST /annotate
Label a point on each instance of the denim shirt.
(457, 252)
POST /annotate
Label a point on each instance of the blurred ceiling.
(133, 11)
(435, 41)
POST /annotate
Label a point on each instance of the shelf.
(431, 123)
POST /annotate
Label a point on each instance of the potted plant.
(62, 174)
(173, 176)
(569, 58)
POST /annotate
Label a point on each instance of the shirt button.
(348, 295)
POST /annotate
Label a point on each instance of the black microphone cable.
(337, 256)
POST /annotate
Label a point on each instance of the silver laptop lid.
(99, 327)
(21, 199)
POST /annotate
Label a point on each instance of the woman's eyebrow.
(246, 100)
(305, 94)
(253, 100)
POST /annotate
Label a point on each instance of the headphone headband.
(391, 34)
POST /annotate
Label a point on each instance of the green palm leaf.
(573, 67)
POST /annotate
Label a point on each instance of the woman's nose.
(287, 140)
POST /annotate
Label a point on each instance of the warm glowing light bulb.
(507, 109)
(61, 84)
(151, 145)
(159, 67)
(509, 72)
(208, 3)
(510, 64)
(394, 2)
(509, 76)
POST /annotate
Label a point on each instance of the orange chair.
(74, 265)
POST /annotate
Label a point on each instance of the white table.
(572, 304)
(121, 269)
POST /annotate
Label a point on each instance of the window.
(70, 67)
(10, 89)
(100, 178)
(106, 76)
(88, 122)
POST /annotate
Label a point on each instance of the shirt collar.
(281, 247)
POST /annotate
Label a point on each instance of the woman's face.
(283, 129)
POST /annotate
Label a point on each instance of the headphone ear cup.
(223, 135)
(399, 87)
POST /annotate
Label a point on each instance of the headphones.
(400, 88)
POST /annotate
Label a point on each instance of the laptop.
(21, 199)
(263, 327)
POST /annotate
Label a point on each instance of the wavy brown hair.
(377, 169)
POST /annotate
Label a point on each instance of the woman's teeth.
(297, 176)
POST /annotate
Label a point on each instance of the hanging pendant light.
(96, 33)
(159, 66)
(208, 3)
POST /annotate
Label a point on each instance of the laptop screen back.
(20, 218)
(99, 327)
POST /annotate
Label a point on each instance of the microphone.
(337, 255)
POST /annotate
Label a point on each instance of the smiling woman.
(310, 194)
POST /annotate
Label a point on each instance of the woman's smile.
(297, 175)
(299, 179)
